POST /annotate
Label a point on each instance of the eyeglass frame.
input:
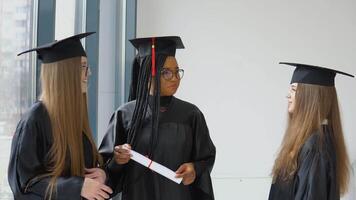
(174, 73)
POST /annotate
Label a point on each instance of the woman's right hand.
(122, 154)
(93, 190)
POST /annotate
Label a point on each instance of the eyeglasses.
(86, 68)
(168, 74)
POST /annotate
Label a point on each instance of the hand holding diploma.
(123, 154)
(187, 172)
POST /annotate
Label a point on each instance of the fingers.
(187, 181)
(98, 197)
(93, 190)
(125, 147)
(103, 194)
(187, 172)
(119, 156)
(122, 150)
(92, 176)
(96, 174)
(189, 178)
(93, 172)
(90, 173)
(179, 176)
(107, 189)
(183, 174)
(181, 169)
(90, 170)
(122, 154)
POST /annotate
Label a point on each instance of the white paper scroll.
(164, 171)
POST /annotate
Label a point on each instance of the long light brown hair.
(313, 104)
(67, 108)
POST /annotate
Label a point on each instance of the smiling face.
(85, 74)
(170, 77)
(291, 97)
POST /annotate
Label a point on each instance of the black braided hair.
(140, 91)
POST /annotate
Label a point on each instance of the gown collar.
(164, 100)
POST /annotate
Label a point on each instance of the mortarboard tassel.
(153, 58)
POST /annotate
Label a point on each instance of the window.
(16, 75)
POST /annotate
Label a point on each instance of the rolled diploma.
(164, 171)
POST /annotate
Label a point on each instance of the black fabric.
(183, 137)
(315, 75)
(145, 68)
(316, 175)
(29, 159)
(60, 50)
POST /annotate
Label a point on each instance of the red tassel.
(153, 58)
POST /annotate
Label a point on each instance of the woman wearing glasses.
(53, 153)
(160, 126)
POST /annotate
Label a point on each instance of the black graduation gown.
(29, 158)
(183, 137)
(316, 176)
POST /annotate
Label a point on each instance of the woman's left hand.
(96, 174)
(187, 172)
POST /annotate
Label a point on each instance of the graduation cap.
(163, 45)
(151, 46)
(315, 75)
(59, 50)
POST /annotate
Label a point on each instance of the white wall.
(232, 74)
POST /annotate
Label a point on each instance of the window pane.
(16, 79)
(65, 18)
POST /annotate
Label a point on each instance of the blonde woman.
(312, 163)
(53, 155)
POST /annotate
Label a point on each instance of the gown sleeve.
(314, 179)
(203, 157)
(28, 162)
(115, 135)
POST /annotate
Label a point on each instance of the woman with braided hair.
(160, 126)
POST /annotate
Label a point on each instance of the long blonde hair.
(313, 104)
(67, 108)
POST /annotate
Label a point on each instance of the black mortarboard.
(315, 75)
(59, 50)
(163, 45)
(151, 46)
